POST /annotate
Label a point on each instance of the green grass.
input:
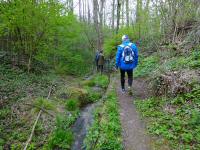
(181, 125)
(62, 136)
(156, 64)
(97, 80)
(190, 60)
(72, 104)
(106, 129)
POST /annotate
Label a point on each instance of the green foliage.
(71, 104)
(163, 62)
(16, 147)
(43, 103)
(18, 82)
(194, 61)
(146, 66)
(31, 147)
(93, 94)
(105, 132)
(95, 86)
(101, 81)
(189, 60)
(2, 142)
(19, 136)
(98, 80)
(45, 34)
(111, 42)
(4, 113)
(62, 137)
(175, 119)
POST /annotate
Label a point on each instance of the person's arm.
(136, 54)
(118, 56)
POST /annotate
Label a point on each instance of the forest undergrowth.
(172, 112)
(25, 95)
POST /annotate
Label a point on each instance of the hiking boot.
(130, 92)
(123, 91)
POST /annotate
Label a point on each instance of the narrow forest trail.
(133, 130)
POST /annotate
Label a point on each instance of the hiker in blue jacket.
(126, 61)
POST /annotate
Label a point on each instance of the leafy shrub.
(71, 104)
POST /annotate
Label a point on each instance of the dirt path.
(134, 134)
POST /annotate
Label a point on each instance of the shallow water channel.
(82, 125)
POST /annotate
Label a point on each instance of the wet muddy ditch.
(81, 126)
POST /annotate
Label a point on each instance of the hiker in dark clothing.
(101, 61)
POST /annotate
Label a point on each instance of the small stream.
(82, 125)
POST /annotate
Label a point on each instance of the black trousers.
(130, 77)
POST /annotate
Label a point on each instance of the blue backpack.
(128, 54)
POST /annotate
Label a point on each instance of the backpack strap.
(130, 44)
(122, 46)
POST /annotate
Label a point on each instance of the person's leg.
(130, 77)
(122, 72)
(101, 69)
(98, 68)
(97, 65)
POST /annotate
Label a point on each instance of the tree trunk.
(83, 9)
(127, 13)
(122, 11)
(138, 16)
(96, 22)
(113, 14)
(101, 23)
(80, 10)
(118, 14)
(88, 9)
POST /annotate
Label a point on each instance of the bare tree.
(88, 9)
(127, 12)
(113, 14)
(80, 10)
(96, 21)
(118, 14)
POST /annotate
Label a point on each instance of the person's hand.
(116, 68)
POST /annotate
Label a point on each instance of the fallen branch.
(33, 129)
(44, 110)
(36, 121)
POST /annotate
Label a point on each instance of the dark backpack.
(128, 54)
